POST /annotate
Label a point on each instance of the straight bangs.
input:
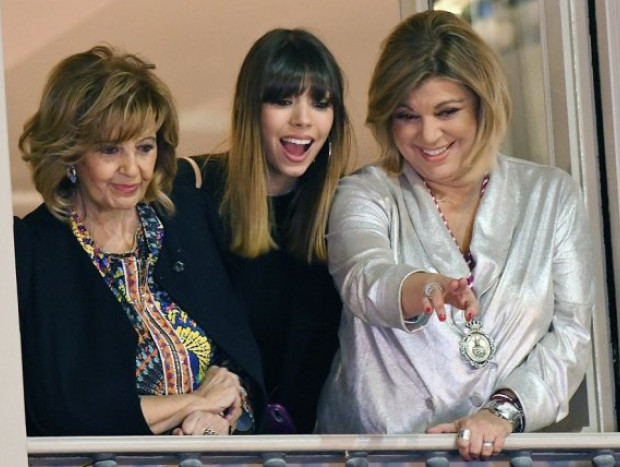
(123, 121)
(295, 72)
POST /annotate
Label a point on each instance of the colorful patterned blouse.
(173, 352)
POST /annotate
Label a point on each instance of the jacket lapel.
(442, 254)
(493, 229)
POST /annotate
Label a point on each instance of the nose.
(129, 165)
(430, 130)
(301, 114)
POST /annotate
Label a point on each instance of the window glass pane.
(512, 28)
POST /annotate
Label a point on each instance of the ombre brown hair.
(103, 94)
(283, 63)
(438, 44)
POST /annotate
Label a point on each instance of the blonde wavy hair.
(438, 44)
(102, 94)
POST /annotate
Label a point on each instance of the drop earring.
(329, 148)
(72, 174)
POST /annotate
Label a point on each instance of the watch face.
(508, 412)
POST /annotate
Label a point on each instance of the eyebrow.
(139, 139)
(439, 105)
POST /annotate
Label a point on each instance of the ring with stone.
(430, 288)
(464, 434)
(209, 431)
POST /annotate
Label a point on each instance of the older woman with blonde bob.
(464, 273)
(125, 304)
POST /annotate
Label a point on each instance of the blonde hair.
(438, 44)
(283, 63)
(102, 94)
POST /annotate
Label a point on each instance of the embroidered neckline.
(148, 245)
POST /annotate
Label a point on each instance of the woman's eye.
(282, 102)
(146, 148)
(322, 104)
(405, 116)
(108, 150)
(448, 112)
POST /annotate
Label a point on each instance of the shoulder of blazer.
(198, 212)
(193, 270)
(45, 228)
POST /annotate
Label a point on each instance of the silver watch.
(506, 411)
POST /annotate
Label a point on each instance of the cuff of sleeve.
(540, 407)
(411, 324)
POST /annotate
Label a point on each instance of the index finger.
(442, 428)
(461, 294)
(434, 296)
(470, 306)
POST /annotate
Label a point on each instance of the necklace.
(476, 346)
(135, 271)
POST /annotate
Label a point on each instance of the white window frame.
(569, 89)
(571, 114)
(12, 424)
(608, 38)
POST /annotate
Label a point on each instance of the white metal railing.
(601, 449)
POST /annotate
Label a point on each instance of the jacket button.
(476, 400)
(178, 266)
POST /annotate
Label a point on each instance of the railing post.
(521, 459)
(356, 459)
(190, 460)
(274, 459)
(105, 460)
(437, 459)
(603, 458)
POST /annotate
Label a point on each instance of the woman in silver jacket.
(464, 274)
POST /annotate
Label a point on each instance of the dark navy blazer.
(79, 347)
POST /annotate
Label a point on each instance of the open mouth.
(436, 152)
(296, 147)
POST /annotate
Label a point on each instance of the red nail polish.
(469, 316)
(428, 310)
(442, 318)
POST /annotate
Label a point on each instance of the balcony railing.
(599, 449)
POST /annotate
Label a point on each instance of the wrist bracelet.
(508, 411)
(514, 400)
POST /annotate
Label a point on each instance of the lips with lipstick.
(125, 188)
(295, 147)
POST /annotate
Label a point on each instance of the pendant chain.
(469, 259)
(476, 347)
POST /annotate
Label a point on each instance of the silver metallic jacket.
(532, 278)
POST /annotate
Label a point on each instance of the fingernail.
(469, 316)
(428, 310)
(442, 318)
